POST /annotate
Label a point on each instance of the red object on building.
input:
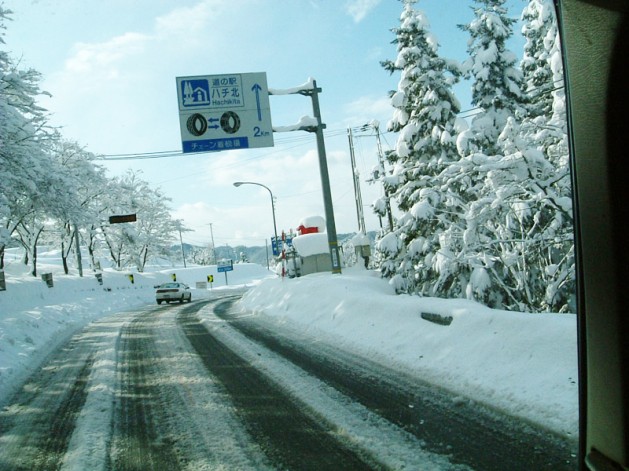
(307, 230)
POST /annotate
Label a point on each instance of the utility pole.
(381, 161)
(183, 254)
(213, 246)
(357, 195)
(325, 178)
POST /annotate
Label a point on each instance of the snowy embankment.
(525, 364)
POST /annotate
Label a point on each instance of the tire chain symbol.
(196, 124)
(230, 122)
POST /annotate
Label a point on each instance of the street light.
(237, 184)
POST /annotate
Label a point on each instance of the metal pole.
(325, 180)
(273, 211)
(183, 255)
(386, 192)
(213, 247)
(357, 196)
(237, 184)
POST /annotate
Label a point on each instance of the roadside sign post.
(224, 112)
(224, 266)
(311, 90)
(280, 243)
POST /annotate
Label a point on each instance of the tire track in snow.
(136, 442)
(289, 435)
(377, 441)
(36, 426)
(169, 413)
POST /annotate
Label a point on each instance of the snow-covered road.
(201, 386)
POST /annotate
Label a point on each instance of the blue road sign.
(195, 93)
(224, 112)
(215, 145)
(224, 265)
(277, 245)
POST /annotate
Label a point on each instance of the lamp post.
(237, 184)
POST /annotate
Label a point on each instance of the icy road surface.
(201, 387)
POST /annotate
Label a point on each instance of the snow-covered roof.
(361, 239)
(311, 244)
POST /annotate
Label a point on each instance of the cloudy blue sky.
(111, 65)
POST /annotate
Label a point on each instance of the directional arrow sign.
(256, 89)
(224, 112)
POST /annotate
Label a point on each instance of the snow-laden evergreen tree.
(496, 80)
(540, 31)
(545, 131)
(420, 254)
(536, 261)
(518, 236)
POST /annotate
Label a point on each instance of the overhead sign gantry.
(224, 112)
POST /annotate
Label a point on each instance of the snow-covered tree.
(425, 117)
(545, 130)
(496, 80)
(538, 63)
(517, 238)
(83, 183)
(518, 234)
(131, 244)
(23, 164)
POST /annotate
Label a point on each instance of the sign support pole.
(325, 178)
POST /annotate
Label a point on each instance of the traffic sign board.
(223, 112)
(122, 218)
(225, 265)
(277, 244)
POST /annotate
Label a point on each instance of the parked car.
(173, 292)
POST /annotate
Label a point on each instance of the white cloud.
(367, 108)
(189, 20)
(359, 9)
(88, 58)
